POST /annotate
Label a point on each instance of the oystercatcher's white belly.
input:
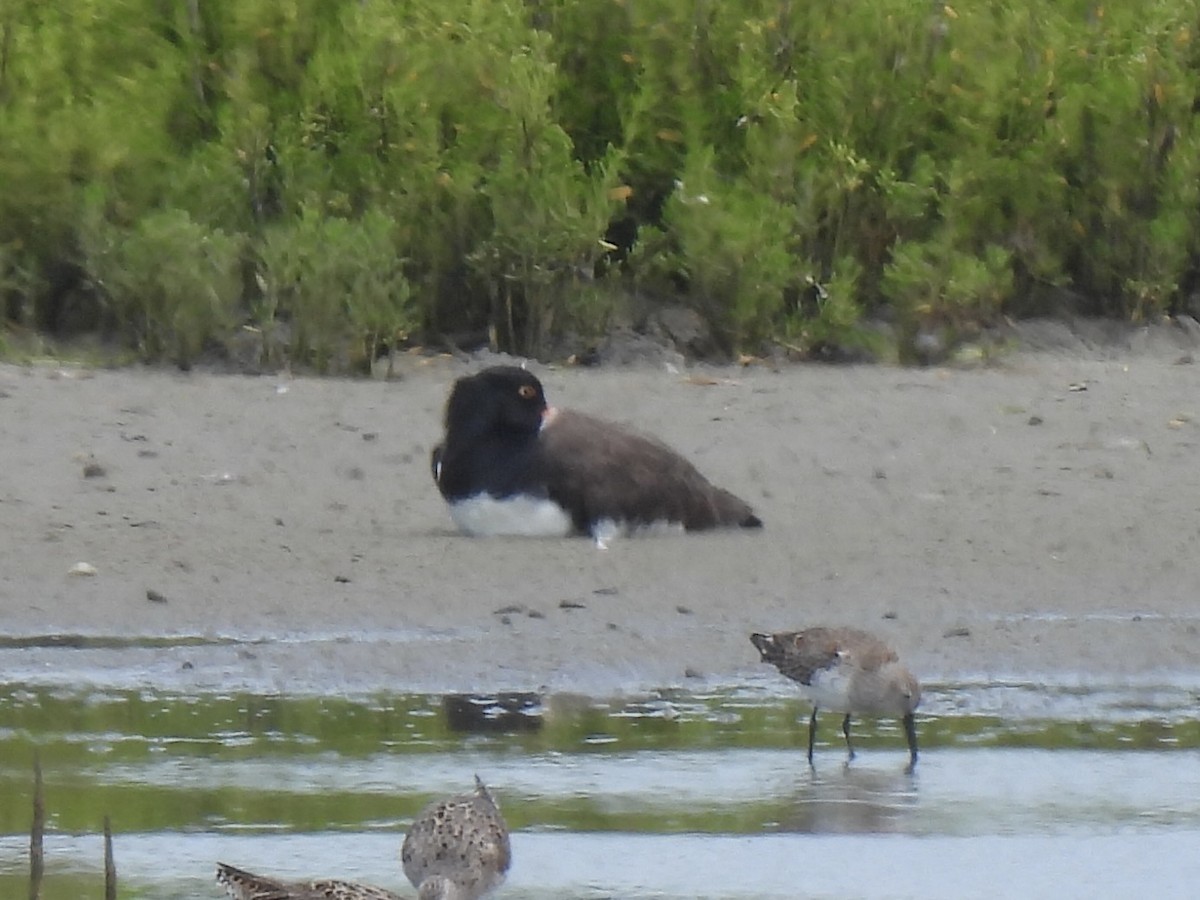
(482, 515)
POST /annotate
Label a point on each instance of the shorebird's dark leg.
(910, 732)
(812, 733)
(846, 732)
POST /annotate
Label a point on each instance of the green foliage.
(338, 282)
(828, 316)
(953, 161)
(732, 246)
(19, 283)
(934, 287)
(547, 212)
(171, 282)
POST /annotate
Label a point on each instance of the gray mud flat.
(1035, 517)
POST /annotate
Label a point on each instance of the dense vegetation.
(343, 173)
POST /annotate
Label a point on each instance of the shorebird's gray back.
(457, 849)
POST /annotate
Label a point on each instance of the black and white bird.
(845, 670)
(510, 464)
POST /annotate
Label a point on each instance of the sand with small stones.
(1036, 517)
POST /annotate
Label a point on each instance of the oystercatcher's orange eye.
(526, 392)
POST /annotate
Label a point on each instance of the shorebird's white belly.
(483, 515)
(830, 689)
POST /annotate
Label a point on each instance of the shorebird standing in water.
(456, 849)
(848, 671)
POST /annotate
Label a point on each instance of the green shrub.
(547, 213)
(827, 316)
(19, 284)
(932, 283)
(339, 285)
(172, 283)
(732, 247)
(950, 160)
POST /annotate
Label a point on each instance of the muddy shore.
(1035, 516)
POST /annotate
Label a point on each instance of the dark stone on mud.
(684, 329)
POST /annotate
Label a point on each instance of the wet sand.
(1035, 518)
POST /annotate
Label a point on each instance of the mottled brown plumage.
(456, 849)
(242, 885)
(463, 841)
(845, 670)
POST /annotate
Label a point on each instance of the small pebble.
(341, 579)
(958, 631)
(94, 470)
(536, 614)
(82, 569)
(683, 610)
(1036, 420)
(571, 604)
(154, 596)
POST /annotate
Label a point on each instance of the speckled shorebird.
(456, 849)
(845, 670)
(242, 885)
(511, 464)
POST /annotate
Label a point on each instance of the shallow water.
(665, 794)
(683, 866)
